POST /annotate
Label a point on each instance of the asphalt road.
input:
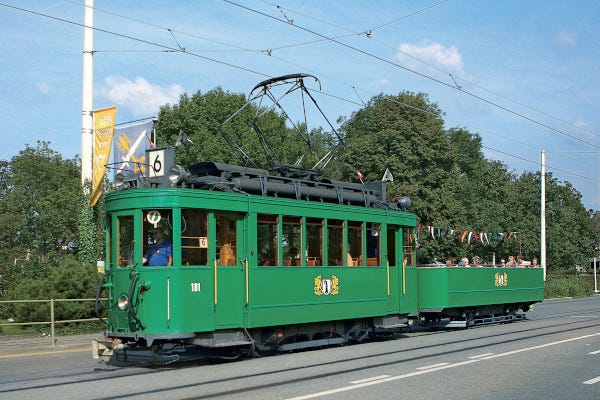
(555, 354)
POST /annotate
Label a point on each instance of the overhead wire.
(366, 53)
(454, 77)
(434, 67)
(269, 52)
(183, 50)
(129, 37)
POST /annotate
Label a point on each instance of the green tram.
(274, 263)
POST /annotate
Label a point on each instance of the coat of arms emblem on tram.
(326, 286)
(501, 279)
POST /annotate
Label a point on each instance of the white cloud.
(585, 128)
(434, 54)
(43, 88)
(140, 97)
(566, 39)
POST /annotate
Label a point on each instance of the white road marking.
(433, 369)
(541, 346)
(377, 382)
(592, 381)
(480, 355)
(375, 378)
(594, 352)
(432, 366)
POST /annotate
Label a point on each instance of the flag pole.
(87, 131)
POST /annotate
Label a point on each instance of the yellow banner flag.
(104, 126)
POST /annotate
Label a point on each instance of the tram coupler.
(106, 348)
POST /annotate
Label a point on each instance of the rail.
(52, 321)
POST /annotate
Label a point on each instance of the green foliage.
(90, 237)
(42, 212)
(452, 185)
(563, 283)
(63, 278)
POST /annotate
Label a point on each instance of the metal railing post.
(52, 322)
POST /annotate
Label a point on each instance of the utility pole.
(87, 127)
(543, 215)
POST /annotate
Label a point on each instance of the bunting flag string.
(438, 233)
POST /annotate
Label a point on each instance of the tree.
(571, 236)
(451, 184)
(37, 208)
(40, 196)
(405, 134)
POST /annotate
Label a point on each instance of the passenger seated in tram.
(227, 257)
(511, 262)
(534, 263)
(521, 263)
(350, 260)
(464, 262)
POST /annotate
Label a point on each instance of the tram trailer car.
(274, 263)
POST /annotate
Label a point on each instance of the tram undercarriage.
(235, 343)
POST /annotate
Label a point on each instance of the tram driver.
(160, 252)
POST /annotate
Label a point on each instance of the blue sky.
(538, 60)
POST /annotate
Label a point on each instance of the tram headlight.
(123, 302)
(177, 173)
(125, 180)
(404, 203)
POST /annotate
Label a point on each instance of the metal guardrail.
(52, 321)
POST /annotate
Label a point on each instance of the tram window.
(408, 246)
(373, 245)
(291, 240)
(391, 244)
(126, 239)
(153, 219)
(194, 237)
(355, 244)
(335, 233)
(314, 241)
(266, 237)
(226, 240)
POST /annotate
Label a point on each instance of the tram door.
(229, 270)
(394, 270)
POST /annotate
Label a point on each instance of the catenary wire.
(423, 75)
(269, 51)
(433, 67)
(173, 49)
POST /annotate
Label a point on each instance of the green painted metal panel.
(176, 300)
(195, 300)
(286, 295)
(441, 287)
(408, 292)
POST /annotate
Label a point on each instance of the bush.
(67, 279)
(565, 283)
